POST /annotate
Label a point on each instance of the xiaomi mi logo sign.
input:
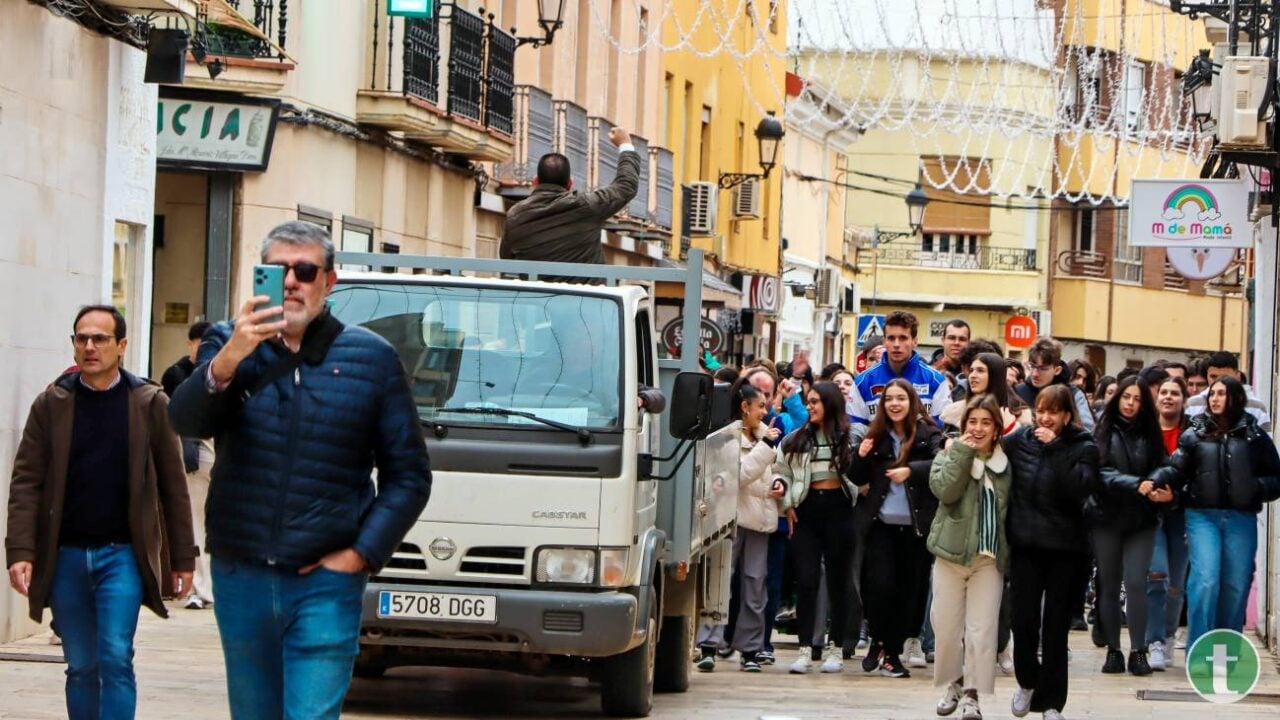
(1020, 331)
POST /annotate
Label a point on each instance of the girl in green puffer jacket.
(971, 481)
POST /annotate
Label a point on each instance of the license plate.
(438, 606)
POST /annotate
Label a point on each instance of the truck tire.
(626, 686)
(675, 647)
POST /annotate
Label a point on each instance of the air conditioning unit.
(830, 287)
(746, 200)
(1244, 83)
(702, 208)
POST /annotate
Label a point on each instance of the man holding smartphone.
(301, 409)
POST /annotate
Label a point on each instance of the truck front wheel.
(627, 682)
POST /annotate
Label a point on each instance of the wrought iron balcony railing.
(478, 73)
(986, 258)
(270, 17)
(1081, 263)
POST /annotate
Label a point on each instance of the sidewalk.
(180, 675)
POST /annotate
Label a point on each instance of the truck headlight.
(566, 565)
(613, 567)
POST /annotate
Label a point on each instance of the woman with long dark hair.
(988, 374)
(1224, 470)
(1055, 469)
(812, 463)
(1123, 513)
(1167, 579)
(893, 519)
(758, 496)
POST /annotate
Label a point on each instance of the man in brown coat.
(556, 224)
(96, 465)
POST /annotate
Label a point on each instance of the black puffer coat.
(1128, 461)
(870, 470)
(1050, 485)
(1238, 471)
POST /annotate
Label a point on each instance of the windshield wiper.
(584, 435)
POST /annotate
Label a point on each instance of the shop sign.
(1200, 263)
(421, 9)
(1020, 331)
(214, 130)
(1189, 213)
(711, 336)
(761, 292)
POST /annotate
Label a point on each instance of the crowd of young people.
(927, 513)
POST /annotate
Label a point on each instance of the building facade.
(76, 189)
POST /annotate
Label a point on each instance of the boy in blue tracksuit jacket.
(900, 361)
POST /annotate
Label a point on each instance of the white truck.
(565, 531)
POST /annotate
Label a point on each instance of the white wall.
(73, 120)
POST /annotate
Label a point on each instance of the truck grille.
(407, 557)
(562, 621)
(505, 561)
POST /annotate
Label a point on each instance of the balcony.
(249, 51)
(1080, 263)
(986, 258)
(1000, 277)
(446, 82)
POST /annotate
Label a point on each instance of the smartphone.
(269, 280)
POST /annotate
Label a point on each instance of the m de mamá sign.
(1189, 213)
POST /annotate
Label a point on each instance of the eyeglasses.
(1040, 368)
(305, 272)
(813, 401)
(98, 339)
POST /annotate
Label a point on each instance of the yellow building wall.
(1082, 310)
(720, 83)
(1146, 28)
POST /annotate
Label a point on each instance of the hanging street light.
(550, 19)
(769, 134)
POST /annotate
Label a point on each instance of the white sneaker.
(969, 709)
(1005, 661)
(951, 700)
(1157, 656)
(1180, 639)
(54, 639)
(194, 602)
(1021, 704)
(833, 659)
(1053, 715)
(914, 653)
(803, 663)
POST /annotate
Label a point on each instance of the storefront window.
(123, 264)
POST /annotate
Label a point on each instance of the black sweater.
(96, 509)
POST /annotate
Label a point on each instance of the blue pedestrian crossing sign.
(868, 326)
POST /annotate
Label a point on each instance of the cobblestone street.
(180, 676)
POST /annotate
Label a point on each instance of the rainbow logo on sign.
(1190, 213)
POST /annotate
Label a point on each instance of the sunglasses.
(305, 272)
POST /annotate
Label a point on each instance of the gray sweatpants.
(1128, 555)
(751, 558)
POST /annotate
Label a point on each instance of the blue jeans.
(95, 598)
(1167, 581)
(1222, 545)
(289, 640)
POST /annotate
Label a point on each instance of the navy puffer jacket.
(292, 479)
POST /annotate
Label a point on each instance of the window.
(1128, 260)
(963, 206)
(704, 145)
(390, 249)
(357, 236)
(468, 348)
(319, 216)
(774, 11)
(1083, 240)
(124, 268)
(644, 342)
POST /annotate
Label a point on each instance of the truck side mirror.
(689, 416)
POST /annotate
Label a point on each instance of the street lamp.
(550, 19)
(1197, 83)
(769, 135)
(916, 200)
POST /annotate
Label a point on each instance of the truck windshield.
(556, 355)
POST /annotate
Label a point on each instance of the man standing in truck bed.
(556, 224)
